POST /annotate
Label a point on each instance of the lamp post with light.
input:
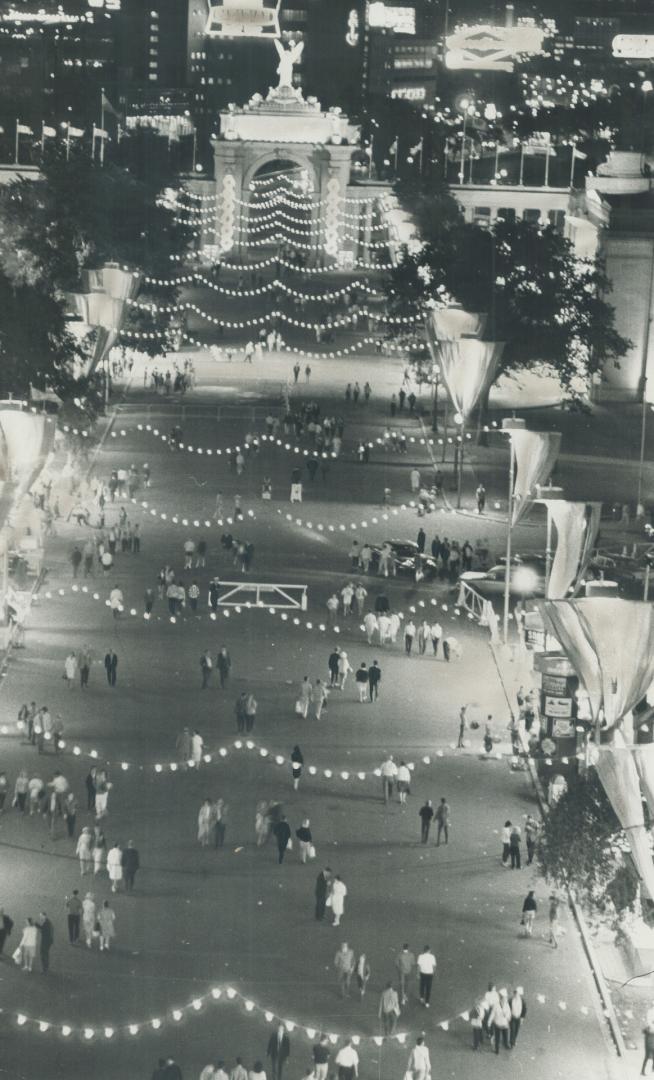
(466, 106)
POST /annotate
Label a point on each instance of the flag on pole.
(75, 133)
(368, 151)
(48, 132)
(417, 149)
(108, 107)
(23, 129)
(100, 133)
(393, 148)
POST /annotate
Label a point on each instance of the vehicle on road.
(407, 559)
(527, 579)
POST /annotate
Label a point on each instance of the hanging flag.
(75, 133)
(48, 132)
(368, 151)
(540, 143)
(108, 107)
(393, 148)
(417, 149)
(100, 133)
(23, 129)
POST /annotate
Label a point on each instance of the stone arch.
(279, 153)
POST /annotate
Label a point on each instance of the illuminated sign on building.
(634, 46)
(352, 35)
(389, 17)
(243, 18)
(409, 93)
(491, 48)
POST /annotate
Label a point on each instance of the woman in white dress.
(107, 921)
(206, 821)
(102, 789)
(115, 866)
(337, 895)
(84, 851)
(88, 917)
(262, 824)
(27, 945)
(197, 748)
(70, 669)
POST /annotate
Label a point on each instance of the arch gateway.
(276, 133)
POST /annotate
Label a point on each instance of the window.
(556, 219)
(481, 215)
(531, 215)
(506, 213)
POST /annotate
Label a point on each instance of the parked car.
(405, 554)
(526, 579)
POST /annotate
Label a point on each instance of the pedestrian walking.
(26, 950)
(115, 866)
(322, 890)
(648, 1033)
(426, 964)
(282, 832)
(480, 496)
(409, 634)
(443, 821)
(344, 963)
(347, 1062)
(250, 707)
(531, 835)
(388, 776)
(279, 1047)
(463, 724)
(403, 780)
(515, 838)
(84, 851)
(344, 669)
(305, 841)
(426, 814)
(506, 843)
(131, 864)
(224, 664)
(297, 764)
(499, 1021)
(337, 897)
(70, 669)
(206, 667)
(361, 679)
(206, 823)
(374, 679)
(405, 963)
(107, 921)
(89, 918)
(518, 1007)
(73, 906)
(332, 665)
(419, 1065)
(320, 696)
(70, 814)
(111, 666)
(261, 824)
(529, 909)
(321, 1055)
(305, 697)
(6, 926)
(554, 920)
(389, 1009)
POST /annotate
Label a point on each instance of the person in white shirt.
(426, 964)
(436, 631)
(388, 774)
(116, 601)
(347, 1061)
(197, 748)
(337, 895)
(419, 1061)
(409, 634)
(403, 782)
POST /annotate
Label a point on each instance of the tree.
(78, 216)
(581, 847)
(548, 305)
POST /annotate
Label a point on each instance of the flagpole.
(397, 149)
(372, 144)
(463, 149)
(93, 143)
(17, 138)
(547, 165)
(67, 142)
(102, 128)
(497, 160)
(522, 164)
(195, 147)
(42, 137)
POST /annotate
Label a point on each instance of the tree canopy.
(548, 305)
(78, 216)
(580, 847)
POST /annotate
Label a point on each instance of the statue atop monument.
(288, 58)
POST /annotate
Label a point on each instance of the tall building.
(55, 57)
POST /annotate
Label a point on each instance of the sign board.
(634, 46)
(556, 685)
(563, 729)
(391, 17)
(491, 48)
(243, 19)
(558, 706)
(409, 93)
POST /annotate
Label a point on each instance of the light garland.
(197, 275)
(359, 264)
(151, 335)
(224, 994)
(209, 214)
(277, 283)
(332, 321)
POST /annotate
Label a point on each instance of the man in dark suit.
(322, 890)
(130, 863)
(46, 941)
(279, 1049)
(110, 666)
(282, 831)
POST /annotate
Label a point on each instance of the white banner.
(577, 525)
(610, 644)
(469, 367)
(535, 455)
(644, 762)
(452, 323)
(617, 771)
(26, 441)
(243, 18)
